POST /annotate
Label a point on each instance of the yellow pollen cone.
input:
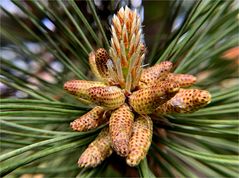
(184, 80)
(140, 141)
(155, 73)
(97, 151)
(90, 120)
(120, 126)
(101, 59)
(93, 66)
(185, 101)
(145, 101)
(110, 97)
(79, 88)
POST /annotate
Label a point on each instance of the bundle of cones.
(127, 96)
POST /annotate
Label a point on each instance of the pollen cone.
(79, 88)
(185, 101)
(120, 126)
(110, 97)
(90, 120)
(93, 66)
(102, 59)
(97, 151)
(153, 74)
(184, 80)
(145, 101)
(140, 140)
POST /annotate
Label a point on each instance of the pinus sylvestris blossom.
(126, 95)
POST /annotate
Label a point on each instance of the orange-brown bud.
(145, 101)
(155, 73)
(110, 97)
(97, 151)
(120, 125)
(90, 120)
(140, 140)
(185, 101)
(127, 50)
(184, 80)
(126, 34)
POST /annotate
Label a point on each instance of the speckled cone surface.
(79, 88)
(184, 80)
(97, 151)
(155, 73)
(90, 120)
(93, 66)
(140, 140)
(120, 125)
(185, 101)
(102, 60)
(145, 101)
(109, 97)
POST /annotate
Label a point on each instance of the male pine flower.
(140, 140)
(121, 122)
(90, 120)
(97, 151)
(131, 94)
